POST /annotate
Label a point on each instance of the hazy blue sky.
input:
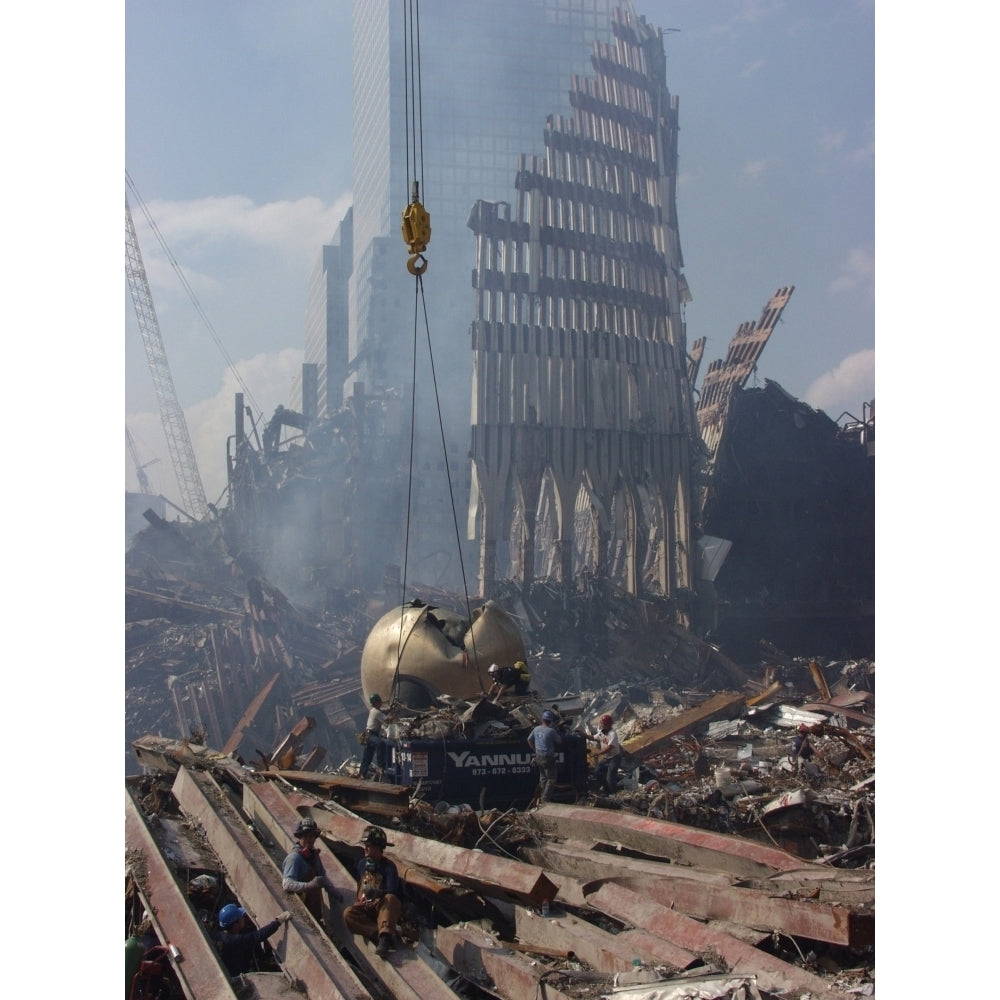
(237, 136)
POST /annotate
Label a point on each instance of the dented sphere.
(438, 652)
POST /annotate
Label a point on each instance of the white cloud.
(292, 227)
(755, 169)
(856, 272)
(268, 377)
(832, 140)
(752, 68)
(845, 388)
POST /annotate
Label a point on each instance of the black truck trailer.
(484, 773)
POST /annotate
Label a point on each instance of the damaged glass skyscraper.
(556, 322)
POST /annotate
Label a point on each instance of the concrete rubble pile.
(717, 869)
(573, 900)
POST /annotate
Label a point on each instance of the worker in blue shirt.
(543, 740)
(239, 941)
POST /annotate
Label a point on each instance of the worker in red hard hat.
(608, 754)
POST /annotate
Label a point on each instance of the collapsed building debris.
(577, 897)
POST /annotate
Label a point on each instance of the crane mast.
(140, 467)
(171, 414)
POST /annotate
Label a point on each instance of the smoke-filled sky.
(238, 139)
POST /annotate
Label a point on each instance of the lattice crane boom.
(140, 467)
(171, 414)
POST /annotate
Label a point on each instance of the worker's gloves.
(283, 917)
(316, 883)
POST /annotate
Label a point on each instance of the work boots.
(385, 945)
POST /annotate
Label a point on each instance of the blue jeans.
(606, 772)
(374, 750)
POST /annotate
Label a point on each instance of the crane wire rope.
(151, 222)
(416, 234)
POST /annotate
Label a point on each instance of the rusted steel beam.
(406, 974)
(685, 932)
(286, 752)
(199, 970)
(712, 896)
(375, 797)
(168, 755)
(659, 838)
(600, 949)
(768, 692)
(471, 951)
(819, 680)
(246, 720)
(344, 784)
(850, 714)
(314, 758)
(581, 862)
(513, 881)
(724, 705)
(300, 946)
(796, 917)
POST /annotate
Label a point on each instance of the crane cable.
(416, 225)
(416, 232)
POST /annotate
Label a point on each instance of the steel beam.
(246, 720)
(601, 950)
(724, 705)
(475, 953)
(581, 862)
(404, 972)
(711, 896)
(806, 918)
(300, 946)
(372, 796)
(199, 970)
(513, 881)
(639, 911)
(686, 845)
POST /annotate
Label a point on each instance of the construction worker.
(240, 941)
(802, 749)
(374, 743)
(523, 677)
(377, 905)
(608, 754)
(303, 872)
(509, 679)
(504, 679)
(543, 740)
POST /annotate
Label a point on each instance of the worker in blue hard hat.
(239, 941)
(543, 740)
